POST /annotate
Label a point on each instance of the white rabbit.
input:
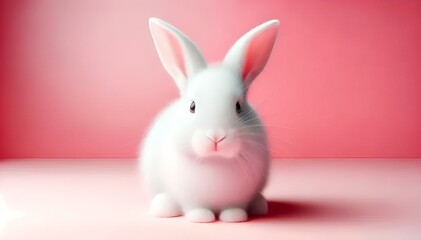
(206, 154)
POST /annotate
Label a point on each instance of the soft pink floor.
(309, 199)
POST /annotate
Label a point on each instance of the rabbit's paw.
(258, 206)
(200, 215)
(163, 206)
(233, 215)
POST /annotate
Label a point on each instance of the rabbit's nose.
(216, 135)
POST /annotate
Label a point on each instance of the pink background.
(82, 78)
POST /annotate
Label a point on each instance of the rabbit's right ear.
(249, 55)
(177, 52)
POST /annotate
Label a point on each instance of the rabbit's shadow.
(337, 211)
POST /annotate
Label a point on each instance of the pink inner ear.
(258, 52)
(171, 50)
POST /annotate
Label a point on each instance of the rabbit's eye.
(238, 107)
(192, 107)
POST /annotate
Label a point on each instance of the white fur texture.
(214, 161)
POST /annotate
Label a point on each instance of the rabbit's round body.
(206, 153)
(200, 176)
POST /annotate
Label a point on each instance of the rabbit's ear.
(250, 53)
(177, 52)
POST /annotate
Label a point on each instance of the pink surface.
(309, 199)
(82, 78)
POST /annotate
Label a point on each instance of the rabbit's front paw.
(233, 215)
(200, 215)
(163, 206)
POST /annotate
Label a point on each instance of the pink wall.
(82, 78)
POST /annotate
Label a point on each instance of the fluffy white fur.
(213, 162)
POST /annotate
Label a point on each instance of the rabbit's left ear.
(249, 54)
(177, 52)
